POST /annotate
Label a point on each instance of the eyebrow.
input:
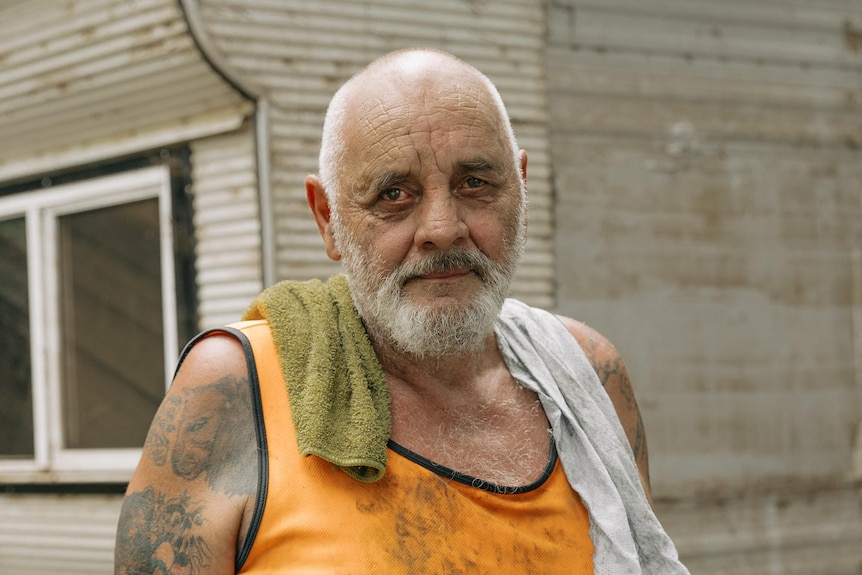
(479, 165)
(387, 180)
(392, 179)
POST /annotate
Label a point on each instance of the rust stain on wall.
(852, 36)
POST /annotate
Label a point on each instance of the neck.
(467, 413)
(435, 378)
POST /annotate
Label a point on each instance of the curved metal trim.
(195, 23)
(210, 53)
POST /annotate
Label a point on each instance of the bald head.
(420, 79)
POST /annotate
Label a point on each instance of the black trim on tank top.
(448, 473)
(259, 429)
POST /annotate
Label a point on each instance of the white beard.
(426, 331)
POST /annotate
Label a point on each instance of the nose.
(440, 221)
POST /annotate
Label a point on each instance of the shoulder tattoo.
(208, 431)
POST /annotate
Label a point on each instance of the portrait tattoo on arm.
(209, 432)
(162, 428)
(202, 445)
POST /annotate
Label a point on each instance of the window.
(91, 325)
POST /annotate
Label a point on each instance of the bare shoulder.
(609, 366)
(591, 341)
(602, 354)
(187, 503)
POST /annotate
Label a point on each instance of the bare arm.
(612, 373)
(188, 503)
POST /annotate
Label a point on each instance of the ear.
(522, 161)
(319, 204)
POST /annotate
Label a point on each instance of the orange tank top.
(313, 518)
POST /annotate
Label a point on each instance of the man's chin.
(461, 292)
(432, 306)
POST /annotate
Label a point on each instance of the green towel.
(338, 396)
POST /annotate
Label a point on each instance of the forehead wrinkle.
(458, 114)
(366, 132)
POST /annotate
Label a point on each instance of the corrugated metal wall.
(95, 79)
(52, 534)
(227, 226)
(297, 53)
(708, 176)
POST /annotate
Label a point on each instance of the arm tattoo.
(607, 364)
(164, 425)
(157, 534)
(208, 431)
(640, 447)
(612, 373)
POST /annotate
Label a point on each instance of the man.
(426, 425)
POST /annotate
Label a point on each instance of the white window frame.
(52, 462)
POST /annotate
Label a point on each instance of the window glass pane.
(111, 315)
(16, 399)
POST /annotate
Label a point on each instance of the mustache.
(443, 262)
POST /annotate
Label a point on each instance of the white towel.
(596, 456)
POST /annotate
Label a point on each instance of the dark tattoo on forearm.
(160, 535)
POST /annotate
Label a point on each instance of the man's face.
(429, 219)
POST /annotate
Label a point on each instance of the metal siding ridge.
(215, 195)
(90, 78)
(217, 291)
(218, 186)
(227, 227)
(782, 13)
(228, 159)
(715, 121)
(66, 58)
(110, 69)
(220, 258)
(225, 213)
(614, 32)
(310, 26)
(228, 250)
(360, 48)
(55, 28)
(445, 11)
(709, 79)
(225, 308)
(129, 103)
(701, 65)
(229, 275)
(125, 127)
(260, 61)
(123, 145)
(57, 533)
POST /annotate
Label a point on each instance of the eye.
(391, 194)
(474, 182)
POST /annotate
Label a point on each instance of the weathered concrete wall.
(707, 186)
